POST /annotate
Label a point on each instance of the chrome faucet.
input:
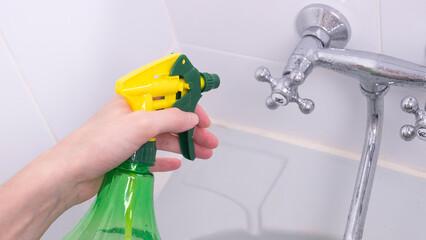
(325, 32)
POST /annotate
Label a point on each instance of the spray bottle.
(124, 207)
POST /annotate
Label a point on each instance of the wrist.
(66, 161)
(41, 192)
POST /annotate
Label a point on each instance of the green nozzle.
(212, 81)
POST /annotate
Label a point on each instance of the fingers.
(162, 123)
(165, 164)
(204, 118)
(169, 120)
(205, 138)
(204, 142)
(169, 142)
(202, 137)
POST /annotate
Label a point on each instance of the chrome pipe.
(367, 167)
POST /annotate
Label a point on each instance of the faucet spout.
(374, 71)
(370, 69)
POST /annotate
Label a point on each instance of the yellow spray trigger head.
(150, 87)
(171, 81)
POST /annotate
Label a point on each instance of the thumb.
(170, 120)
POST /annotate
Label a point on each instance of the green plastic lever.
(184, 69)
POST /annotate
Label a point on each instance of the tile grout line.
(235, 54)
(289, 139)
(28, 89)
(379, 25)
(172, 28)
(317, 146)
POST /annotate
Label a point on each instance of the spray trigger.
(171, 81)
(198, 83)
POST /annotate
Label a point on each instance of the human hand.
(115, 132)
(72, 171)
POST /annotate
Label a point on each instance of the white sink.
(240, 235)
(259, 188)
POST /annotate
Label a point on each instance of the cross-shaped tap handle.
(408, 132)
(284, 90)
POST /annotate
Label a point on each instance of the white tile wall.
(24, 134)
(403, 36)
(403, 29)
(72, 52)
(264, 29)
(233, 38)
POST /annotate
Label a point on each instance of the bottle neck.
(135, 167)
(141, 160)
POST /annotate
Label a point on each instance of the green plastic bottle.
(124, 207)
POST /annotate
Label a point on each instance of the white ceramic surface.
(403, 36)
(72, 52)
(309, 198)
(403, 30)
(263, 29)
(240, 235)
(24, 135)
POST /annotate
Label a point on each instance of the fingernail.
(193, 119)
